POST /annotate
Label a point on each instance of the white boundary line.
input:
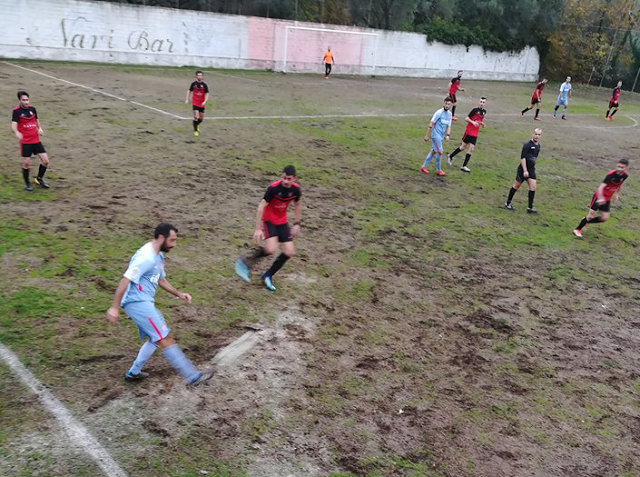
(78, 434)
(292, 117)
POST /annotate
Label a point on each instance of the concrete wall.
(119, 33)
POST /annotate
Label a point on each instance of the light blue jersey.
(146, 268)
(564, 91)
(441, 120)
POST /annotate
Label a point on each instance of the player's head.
(167, 234)
(447, 103)
(23, 97)
(483, 102)
(328, 48)
(288, 176)
(623, 165)
(199, 75)
(620, 84)
(568, 80)
(459, 73)
(537, 132)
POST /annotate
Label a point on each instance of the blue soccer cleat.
(266, 279)
(242, 270)
(129, 376)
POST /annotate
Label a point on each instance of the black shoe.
(28, 187)
(532, 210)
(509, 206)
(135, 377)
(40, 181)
(204, 377)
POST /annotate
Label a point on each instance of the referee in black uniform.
(527, 171)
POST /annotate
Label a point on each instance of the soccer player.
(563, 98)
(613, 102)
(536, 99)
(328, 61)
(273, 227)
(454, 87)
(527, 171)
(136, 294)
(27, 128)
(474, 120)
(439, 130)
(200, 97)
(601, 201)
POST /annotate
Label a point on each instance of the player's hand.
(112, 314)
(19, 135)
(186, 101)
(526, 174)
(257, 236)
(40, 132)
(447, 137)
(185, 297)
(295, 230)
(204, 103)
(426, 138)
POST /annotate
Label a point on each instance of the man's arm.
(40, 131)
(297, 217)
(259, 234)
(114, 311)
(14, 128)
(428, 134)
(523, 163)
(166, 286)
(206, 98)
(188, 95)
(600, 193)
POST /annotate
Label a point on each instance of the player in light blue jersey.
(439, 130)
(136, 294)
(563, 98)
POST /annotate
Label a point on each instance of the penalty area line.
(78, 433)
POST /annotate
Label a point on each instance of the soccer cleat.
(449, 159)
(424, 169)
(610, 118)
(129, 376)
(203, 378)
(509, 206)
(537, 119)
(196, 133)
(564, 118)
(268, 283)
(521, 114)
(40, 181)
(577, 233)
(28, 187)
(606, 118)
(455, 118)
(465, 169)
(242, 270)
(440, 172)
(554, 116)
(532, 210)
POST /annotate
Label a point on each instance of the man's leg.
(453, 109)
(25, 173)
(467, 157)
(555, 110)
(288, 251)
(587, 219)
(427, 159)
(528, 108)
(614, 112)
(456, 151)
(537, 112)
(146, 350)
(439, 161)
(177, 359)
(44, 162)
(564, 111)
(512, 192)
(532, 192)
(195, 120)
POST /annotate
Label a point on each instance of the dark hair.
(22, 93)
(624, 161)
(483, 97)
(199, 72)
(164, 229)
(449, 98)
(289, 170)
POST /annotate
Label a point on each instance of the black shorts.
(453, 98)
(613, 104)
(198, 108)
(520, 174)
(28, 150)
(469, 139)
(534, 100)
(281, 231)
(327, 68)
(604, 207)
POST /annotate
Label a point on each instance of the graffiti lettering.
(140, 40)
(74, 39)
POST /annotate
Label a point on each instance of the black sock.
(582, 223)
(453, 111)
(254, 256)
(455, 153)
(25, 175)
(41, 170)
(537, 112)
(512, 192)
(467, 158)
(614, 112)
(200, 121)
(532, 194)
(556, 108)
(525, 110)
(595, 220)
(195, 124)
(277, 265)
(608, 111)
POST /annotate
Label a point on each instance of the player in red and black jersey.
(27, 128)
(273, 227)
(613, 102)
(536, 99)
(475, 120)
(200, 97)
(601, 201)
(454, 87)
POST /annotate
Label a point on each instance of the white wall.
(119, 33)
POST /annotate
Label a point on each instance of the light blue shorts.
(436, 144)
(562, 101)
(148, 319)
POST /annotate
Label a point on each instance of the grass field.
(420, 331)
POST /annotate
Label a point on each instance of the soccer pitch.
(421, 330)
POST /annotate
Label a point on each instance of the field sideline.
(421, 330)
